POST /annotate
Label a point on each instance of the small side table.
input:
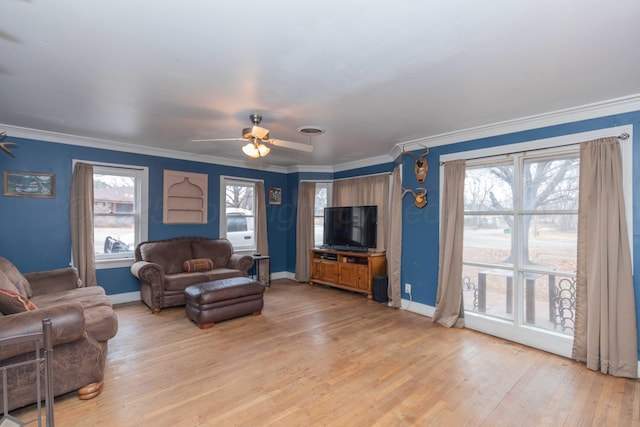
(257, 259)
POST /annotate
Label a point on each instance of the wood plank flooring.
(321, 356)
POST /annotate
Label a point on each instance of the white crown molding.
(589, 111)
(310, 168)
(105, 144)
(372, 161)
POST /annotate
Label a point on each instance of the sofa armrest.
(46, 282)
(67, 321)
(240, 262)
(148, 272)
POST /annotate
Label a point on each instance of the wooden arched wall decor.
(185, 198)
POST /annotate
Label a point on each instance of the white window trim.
(142, 210)
(546, 340)
(224, 181)
(329, 186)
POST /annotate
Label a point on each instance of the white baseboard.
(283, 275)
(416, 307)
(123, 298)
(135, 296)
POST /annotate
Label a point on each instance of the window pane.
(114, 214)
(549, 301)
(550, 242)
(487, 239)
(240, 215)
(550, 184)
(488, 291)
(488, 188)
(320, 203)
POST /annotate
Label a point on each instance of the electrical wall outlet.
(407, 288)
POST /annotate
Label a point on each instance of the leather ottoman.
(211, 302)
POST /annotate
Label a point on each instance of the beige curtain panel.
(394, 249)
(449, 305)
(368, 190)
(81, 209)
(262, 240)
(605, 335)
(304, 229)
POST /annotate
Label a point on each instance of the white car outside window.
(240, 228)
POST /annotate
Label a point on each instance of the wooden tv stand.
(353, 271)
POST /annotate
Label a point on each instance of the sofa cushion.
(178, 282)
(15, 277)
(12, 302)
(197, 264)
(222, 273)
(217, 250)
(89, 297)
(169, 254)
(101, 321)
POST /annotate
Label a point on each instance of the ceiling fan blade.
(218, 139)
(292, 145)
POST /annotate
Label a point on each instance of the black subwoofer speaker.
(380, 284)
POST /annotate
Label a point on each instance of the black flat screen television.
(350, 228)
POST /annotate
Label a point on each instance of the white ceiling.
(374, 74)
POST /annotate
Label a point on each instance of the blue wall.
(35, 234)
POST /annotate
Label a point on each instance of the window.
(119, 200)
(520, 239)
(322, 200)
(237, 216)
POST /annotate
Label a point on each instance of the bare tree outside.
(548, 185)
(239, 196)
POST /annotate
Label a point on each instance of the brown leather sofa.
(160, 266)
(82, 318)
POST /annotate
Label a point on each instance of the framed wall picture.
(29, 184)
(275, 195)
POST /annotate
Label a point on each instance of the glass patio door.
(520, 243)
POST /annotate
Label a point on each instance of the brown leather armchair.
(82, 319)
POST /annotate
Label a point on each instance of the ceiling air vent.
(310, 130)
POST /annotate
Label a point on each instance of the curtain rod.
(623, 136)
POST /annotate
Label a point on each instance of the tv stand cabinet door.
(355, 276)
(329, 271)
(348, 275)
(364, 279)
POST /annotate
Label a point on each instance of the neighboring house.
(113, 206)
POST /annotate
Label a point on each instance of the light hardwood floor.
(320, 356)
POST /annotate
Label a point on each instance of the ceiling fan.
(258, 140)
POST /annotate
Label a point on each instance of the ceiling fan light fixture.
(255, 150)
(263, 150)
